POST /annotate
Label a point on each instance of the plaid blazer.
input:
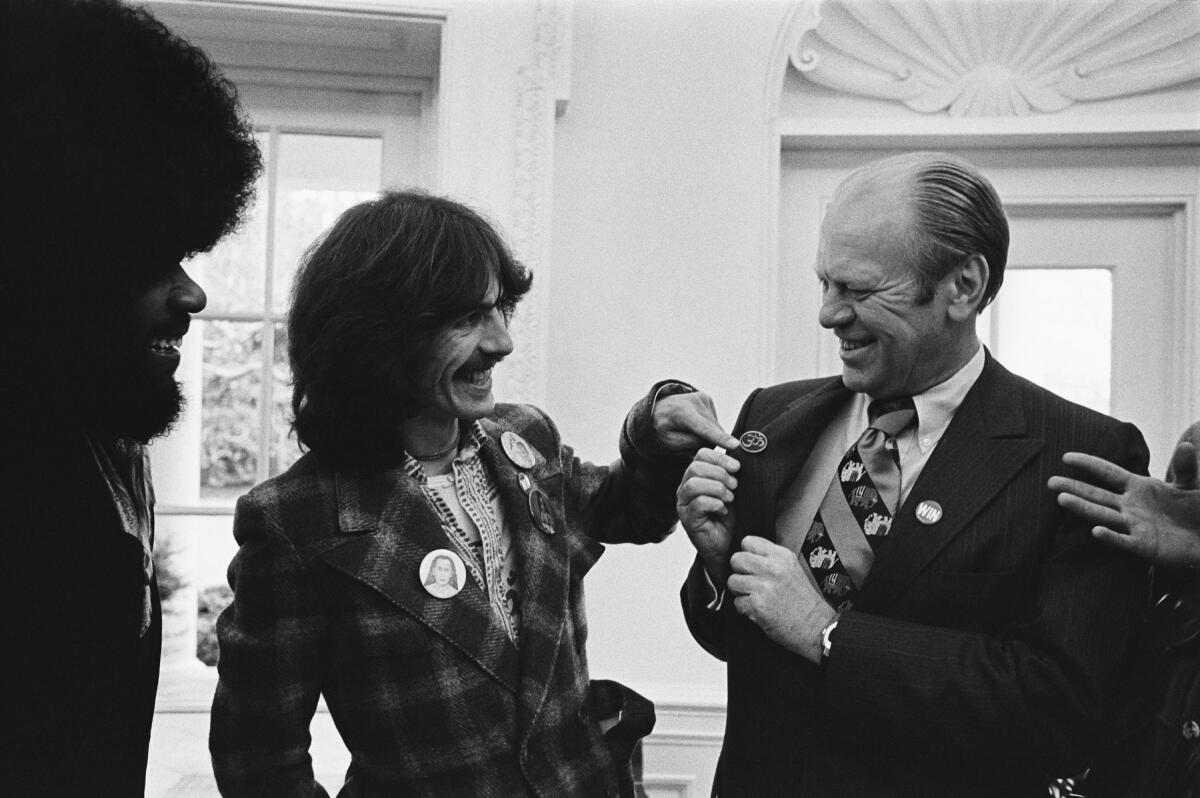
(430, 696)
(983, 649)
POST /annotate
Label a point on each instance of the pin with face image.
(752, 441)
(518, 450)
(442, 573)
(929, 512)
(540, 511)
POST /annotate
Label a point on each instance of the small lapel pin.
(929, 512)
(517, 449)
(753, 442)
(539, 510)
(442, 573)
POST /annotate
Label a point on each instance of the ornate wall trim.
(996, 58)
(538, 96)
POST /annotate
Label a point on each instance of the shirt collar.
(936, 405)
(126, 472)
(468, 451)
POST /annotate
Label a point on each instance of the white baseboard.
(680, 756)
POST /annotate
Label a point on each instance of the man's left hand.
(684, 422)
(777, 592)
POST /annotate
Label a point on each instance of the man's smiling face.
(457, 377)
(892, 341)
(129, 361)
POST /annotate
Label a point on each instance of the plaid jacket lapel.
(386, 528)
(544, 571)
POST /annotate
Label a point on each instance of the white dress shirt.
(935, 409)
(935, 406)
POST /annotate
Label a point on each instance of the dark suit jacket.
(430, 696)
(983, 650)
(80, 696)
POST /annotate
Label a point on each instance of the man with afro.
(125, 153)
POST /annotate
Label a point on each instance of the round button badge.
(442, 573)
(539, 509)
(929, 512)
(518, 450)
(753, 441)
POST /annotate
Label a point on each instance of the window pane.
(191, 554)
(233, 274)
(319, 177)
(284, 448)
(1054, 326)
(230, 414)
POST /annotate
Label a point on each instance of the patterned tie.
(856, 513)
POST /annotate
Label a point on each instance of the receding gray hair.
(956, 211)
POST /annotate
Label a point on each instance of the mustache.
(481, 363)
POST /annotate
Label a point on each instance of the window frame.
(284, 85)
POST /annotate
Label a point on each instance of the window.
(1042, 313)
(342, 106)
(245, 395)
(235, 370)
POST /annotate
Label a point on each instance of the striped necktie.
(856, 513)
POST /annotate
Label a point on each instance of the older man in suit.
(904, 609)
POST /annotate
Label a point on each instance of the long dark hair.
(369, 297)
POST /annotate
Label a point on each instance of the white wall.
(658, 250)
(648, 212)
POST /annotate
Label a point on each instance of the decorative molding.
(321, 36)
(564, 14)
(667, 786)
(682, 751)
(700, 723)
(537, 81)
(942, 132)
(307, 79)
(996, 58)
(689, 739)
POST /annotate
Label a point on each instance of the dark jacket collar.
(984, 446)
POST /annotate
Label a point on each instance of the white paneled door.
(1087, 311)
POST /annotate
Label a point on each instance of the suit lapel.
(544, 564)
(983, 448)
(791, 436)
(387, 527)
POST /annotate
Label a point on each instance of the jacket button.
(1191, 730)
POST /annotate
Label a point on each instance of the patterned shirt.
(468, 504)
(126, 471)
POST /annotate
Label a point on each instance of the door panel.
(1068, 260)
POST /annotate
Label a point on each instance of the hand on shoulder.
(1158, 520)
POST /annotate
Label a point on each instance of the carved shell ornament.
(997, 58)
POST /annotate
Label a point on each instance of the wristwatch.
(826, 643)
